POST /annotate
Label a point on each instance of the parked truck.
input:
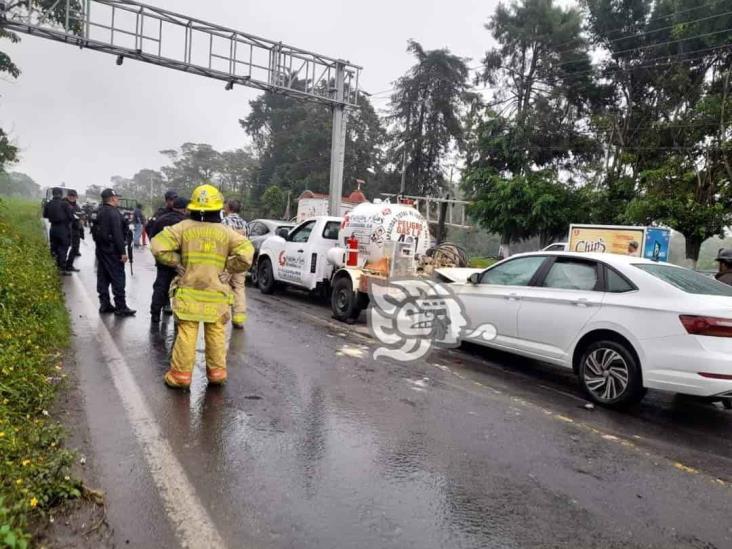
(339, 257)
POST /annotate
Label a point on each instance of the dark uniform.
(77, 233)
(724, 258)
(725, 277)
(110, 238)
(165, 274)
(60, 214)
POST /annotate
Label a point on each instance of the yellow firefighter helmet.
(206, 198)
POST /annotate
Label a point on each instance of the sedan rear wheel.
(610, 374)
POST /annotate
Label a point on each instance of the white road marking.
(192, 524)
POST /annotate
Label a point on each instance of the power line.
(641, 34)
(672, 14)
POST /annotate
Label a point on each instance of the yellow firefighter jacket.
(205, 250)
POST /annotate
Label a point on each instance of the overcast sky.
(80, 119)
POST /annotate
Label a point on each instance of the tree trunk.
(693, 245)
(504, 250)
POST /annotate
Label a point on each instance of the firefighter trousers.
(239, 310)
(184, 352)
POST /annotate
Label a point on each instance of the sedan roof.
(610, 259)
(273, 222)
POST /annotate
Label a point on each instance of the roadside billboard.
(612, 239)
(657, 244)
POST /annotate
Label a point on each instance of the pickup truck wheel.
(265, 276)
(343, 300)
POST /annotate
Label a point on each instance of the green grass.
(481, 262)
(34, 331)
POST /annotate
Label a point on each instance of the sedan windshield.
(689, 281)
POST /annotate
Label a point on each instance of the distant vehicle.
(49, 194)
(127, 207)
(556, 247)
(259, 230)
(622, 323)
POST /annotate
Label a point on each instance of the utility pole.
(338, 142)
(403, 185)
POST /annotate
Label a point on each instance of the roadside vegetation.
(34, 330)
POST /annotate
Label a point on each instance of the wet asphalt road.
(314, 444)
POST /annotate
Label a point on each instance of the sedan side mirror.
(474, 278)
(282, 233)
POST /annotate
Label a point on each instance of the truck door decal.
(313, 262)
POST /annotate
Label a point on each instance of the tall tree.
(56, 14)
(668, 126)
(293, 140)
(427, 108)
(531, 134)
(192, 165)
(19, 184)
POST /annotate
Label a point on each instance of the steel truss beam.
(134, 30)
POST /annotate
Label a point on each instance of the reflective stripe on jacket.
(205, 250)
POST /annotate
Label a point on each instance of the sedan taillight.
(707, 325)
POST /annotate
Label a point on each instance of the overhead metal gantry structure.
(145, 33)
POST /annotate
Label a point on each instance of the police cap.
(724, 254)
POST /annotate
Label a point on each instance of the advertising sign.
(605, 238)
(657, 244)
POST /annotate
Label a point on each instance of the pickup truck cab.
(299, 257)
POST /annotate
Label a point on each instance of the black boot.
(107, 308)
(124, 311)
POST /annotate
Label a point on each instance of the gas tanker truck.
(340, 257)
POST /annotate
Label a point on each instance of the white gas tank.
(374, 224)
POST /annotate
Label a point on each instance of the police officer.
(165, 275)
(110, 237)
(724, 258)
(170, 196)
(60, 214)
(77, 231)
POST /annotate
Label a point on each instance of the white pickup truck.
(386, 240)
(299, 257)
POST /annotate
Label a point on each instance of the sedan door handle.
(300, 251)
(582, 302)
(512, 297)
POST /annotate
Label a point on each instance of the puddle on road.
(351, 351)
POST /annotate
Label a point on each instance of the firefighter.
(237, 281)
(77, 231)
(60, 214)
(201, 250)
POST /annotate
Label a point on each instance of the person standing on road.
(110, 233)
(201, 250)
(77, 231)
(170, 196)
(724, 258)
(237, 281)
(60, 214)
(165, 275)
(138, 219)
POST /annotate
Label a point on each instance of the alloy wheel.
(606, 374)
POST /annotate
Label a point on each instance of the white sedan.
(623, 324)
